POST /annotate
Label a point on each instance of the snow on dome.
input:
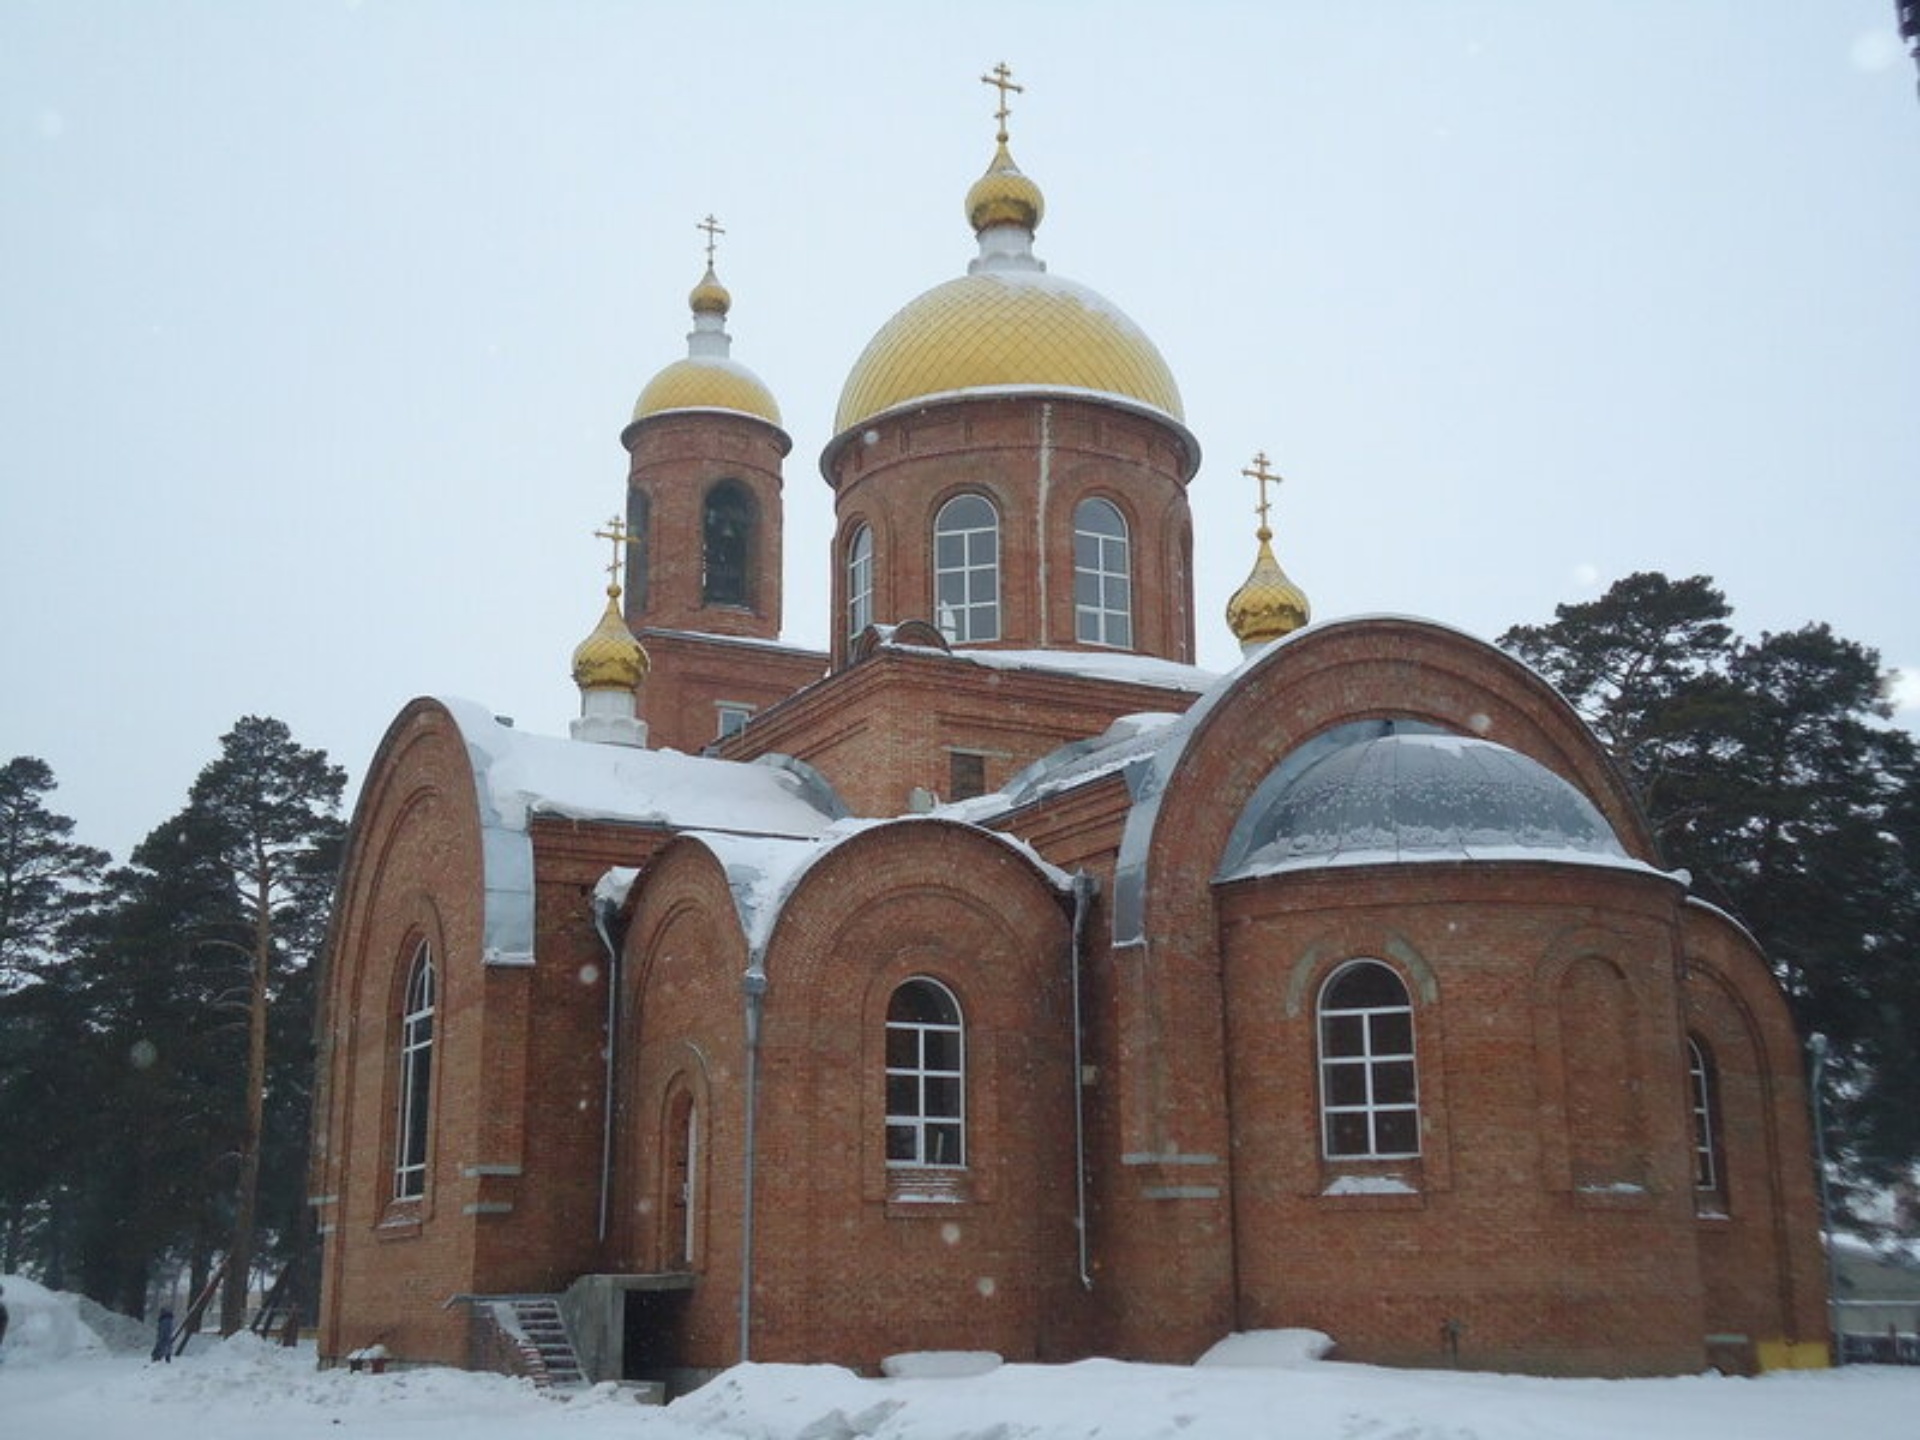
(1384, 791)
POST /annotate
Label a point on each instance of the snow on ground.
(59, 1382)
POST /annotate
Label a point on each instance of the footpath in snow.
(62, 1379)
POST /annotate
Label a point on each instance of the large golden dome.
(1006, 325)
(1006, 329)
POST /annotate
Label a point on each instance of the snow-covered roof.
(1382, 792)
(518, 775)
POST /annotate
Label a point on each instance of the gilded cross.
(616, 531)
(1002, 80)
(714, 230)
(1259, 471)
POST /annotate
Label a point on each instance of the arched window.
(966, 570)
(1102, 575)
(682, 1209)
(859, 581)
(1369, 1097)
(727, 527)
(1702, 1085)
(639, 517)
(416, 1078)
(926, 1077)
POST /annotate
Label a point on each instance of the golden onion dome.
(708, 378)
(1268, 605)
(610, 658)
(1005, 325)
(1004, 196)
(710, 297)
(1000, 329)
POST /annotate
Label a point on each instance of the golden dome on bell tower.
(708, 378)
(1269, 604)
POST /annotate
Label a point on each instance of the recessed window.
(859, 581)
(1369, 1096)
(1102, 575)
(966, 774)
(1701, 1086)
(727, 526)
(926, 1077)
(730, 718)
(966, 570)
(416, 1078)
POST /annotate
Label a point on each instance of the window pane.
(1393, 1034)
(903, 1048)
(1343, 1034)
(1346, 1085)
(943, 1145)
(942, 1050)
(1365, 986)
(1393, 1083)
(900, 1142)
(943, 1097)
(1347, 1134)
(1398, 1132)
(949, 552)
(903, 1095)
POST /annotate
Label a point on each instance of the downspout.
(603, 912)
(754, 985)
(1085, 887)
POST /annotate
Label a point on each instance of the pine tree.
(1767, 770)
(271, 808)
(44, 876)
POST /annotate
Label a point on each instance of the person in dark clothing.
(3, 1318)
(163, 1341)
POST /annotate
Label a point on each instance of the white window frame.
(1376, 1058)
(1102, 575)
(966, 570)
(931, 1131)
(738, 712)
(859, 581)
(414, 1128)
(1706, 1120)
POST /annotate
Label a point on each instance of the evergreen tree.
(270, 809)
(47, 881)
(1767, 770)
(44, 875)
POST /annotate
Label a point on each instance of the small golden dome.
(710, 297)
(1269, 605)
(610, 658)
(1003, 196)
(707, 383)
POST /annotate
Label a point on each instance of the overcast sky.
(319, 322)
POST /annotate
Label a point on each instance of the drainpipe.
(1085, 887)
(603, 912)
(1817, 1083)
(754, 985)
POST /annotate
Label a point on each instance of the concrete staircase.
(541, 1337)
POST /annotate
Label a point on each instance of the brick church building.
(998, 981)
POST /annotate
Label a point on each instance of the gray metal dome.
(1406, 792)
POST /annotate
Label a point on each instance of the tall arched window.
(966, 570)
(416, 1078)
(1102, 575)
(727, 534)
(682, 1209)
(926, 1077)
(1369, 1096)
(639, 517)
(859, 581)
(1701, 1088)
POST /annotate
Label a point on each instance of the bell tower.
(704, 485)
